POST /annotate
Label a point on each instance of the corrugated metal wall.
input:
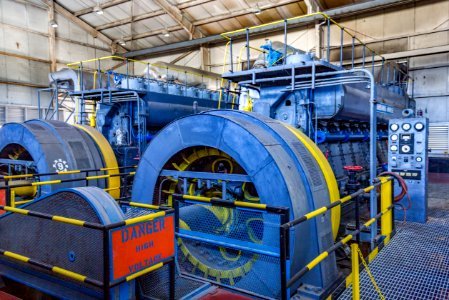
(25, 58)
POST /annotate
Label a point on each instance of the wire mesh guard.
(414, 265)
(155, 285)
(232, 247)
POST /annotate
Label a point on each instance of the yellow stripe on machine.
(315, 213)
(144, 271)
(17, 176)
(69, 274)
(317, 260)
(328, 174)
(197, 198)
(145, 218)
(108, 156)
(16, 256)
(16, 210)
(68, 220)
(69, 172)
(37, 183)
(250, 205)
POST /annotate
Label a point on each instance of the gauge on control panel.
(394, 148)
(394, 127)
(419, 159)
(419, 126)
(394, 137)
(406, 148)
(406, 126)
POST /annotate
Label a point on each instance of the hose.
(403, 193)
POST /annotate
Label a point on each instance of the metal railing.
(386, 215)
(259, 251)
(328, 23)
(108, 282)
(99, 72)
(10, 185)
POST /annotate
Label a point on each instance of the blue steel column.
(247, 48)
(373, 155)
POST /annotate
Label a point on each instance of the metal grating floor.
(414, 265)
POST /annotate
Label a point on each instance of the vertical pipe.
(341, 46)
(247, 48)
(57, 102)
(81, 102)
(363, 56)
(388, 74)
(127, 73)
(373, 156)
(353, 51)
(230, 53)
(328, 51)
(394, 75)
(372, 62)
(382, 71)
(355, 272)
(99, 72)
(39, 104)
(285, 41)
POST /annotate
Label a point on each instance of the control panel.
(407, 156)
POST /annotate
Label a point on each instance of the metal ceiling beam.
(218, 18)
(337, 12)
(180, 18)
(89, 29)
(130, 19)
(112, 3)
(150, 33)
(313, 6)
(103, 5)
(150, 15)
(242, 12)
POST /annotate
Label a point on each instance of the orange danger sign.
(139, 246)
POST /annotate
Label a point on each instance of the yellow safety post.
(386, 199)
(13, 199)
(355, 272)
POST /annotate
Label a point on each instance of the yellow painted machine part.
(108, 158)
(24, 191)
(329, 176)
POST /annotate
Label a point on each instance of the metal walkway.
(414, 265)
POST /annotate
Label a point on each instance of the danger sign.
(139, 246)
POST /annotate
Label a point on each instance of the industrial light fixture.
(98, 10)
(121, 42)
(257, 10)
(166, 33)
(53, 23)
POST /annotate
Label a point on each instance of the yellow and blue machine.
(232, 177)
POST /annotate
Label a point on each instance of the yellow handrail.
(227, 35)
(77, 63)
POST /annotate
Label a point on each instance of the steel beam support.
(337, 12)
(177, 15)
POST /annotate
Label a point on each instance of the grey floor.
(415, 264)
